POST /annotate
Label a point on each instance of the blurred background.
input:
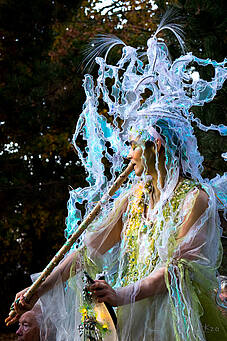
(41, 97)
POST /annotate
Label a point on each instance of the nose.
(19, 331)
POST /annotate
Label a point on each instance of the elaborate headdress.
(173, 89)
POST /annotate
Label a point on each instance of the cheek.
(29, 331)
(31, 334)
(138, 154)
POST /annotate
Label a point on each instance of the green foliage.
(41, 97)
(40, 103)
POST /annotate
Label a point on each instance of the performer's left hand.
(103, 292)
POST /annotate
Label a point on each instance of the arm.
(101, 241)
(103, 237)
(199, 207)
(150, 286)
(104, 240)
(61, 273)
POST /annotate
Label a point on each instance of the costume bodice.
(141, 237)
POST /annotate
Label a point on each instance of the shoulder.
(196, 203)
(201, 200)
(196, 196)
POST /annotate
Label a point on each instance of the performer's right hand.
(21, 306)
(20, 303)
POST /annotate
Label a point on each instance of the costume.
(191, 269)
(191, 263)
(187, 310)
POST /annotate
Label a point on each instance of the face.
(223, 295)
(135, 156)
(28, 328)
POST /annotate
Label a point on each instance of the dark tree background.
(41, 97)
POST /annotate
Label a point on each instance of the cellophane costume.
(188, 309)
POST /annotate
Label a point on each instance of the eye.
(25, 326)
(134, 145)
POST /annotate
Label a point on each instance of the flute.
(81, 228)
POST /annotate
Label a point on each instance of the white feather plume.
(168, 22)
(100, 45)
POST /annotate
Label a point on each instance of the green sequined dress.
(188, 311)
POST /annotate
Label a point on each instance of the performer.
(158, 241)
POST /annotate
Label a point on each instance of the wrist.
(126, 295)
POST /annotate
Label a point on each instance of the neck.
(158, 180)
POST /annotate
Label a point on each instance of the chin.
(138, 171)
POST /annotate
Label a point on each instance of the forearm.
(152, 285)
(60, 274)
(147, 287)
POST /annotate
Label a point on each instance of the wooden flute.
(66, 247)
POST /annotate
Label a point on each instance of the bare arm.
(60, 274)
(199, 207)
(105, 236)
(103, 241)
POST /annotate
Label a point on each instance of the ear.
(158, 144)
